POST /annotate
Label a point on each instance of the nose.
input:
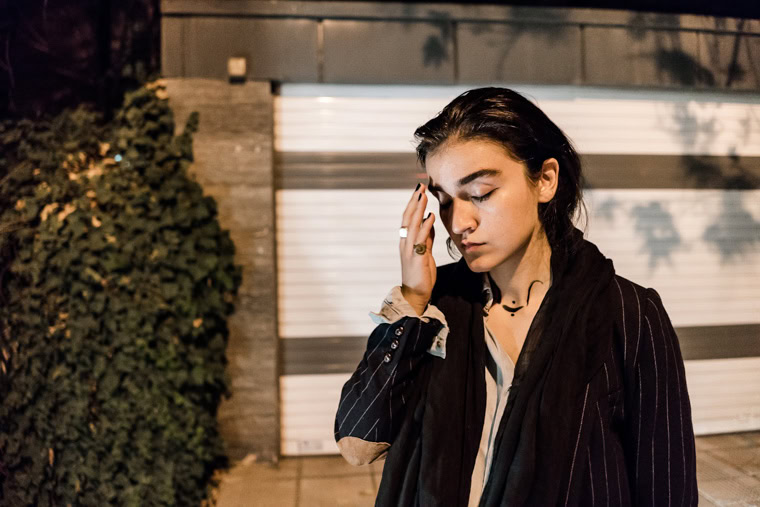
(463, 217)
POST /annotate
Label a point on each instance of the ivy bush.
(115, 284)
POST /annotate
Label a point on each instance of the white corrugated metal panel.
(337, 252)
(724, 396)
(355, 118)
(307, 413)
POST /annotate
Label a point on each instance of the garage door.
(672, 200)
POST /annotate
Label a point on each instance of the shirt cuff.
(395, 306)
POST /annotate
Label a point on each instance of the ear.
(547, 182)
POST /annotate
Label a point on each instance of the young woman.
(528, 372)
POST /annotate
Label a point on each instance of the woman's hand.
(418, 272)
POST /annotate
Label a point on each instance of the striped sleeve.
(395, 307)
(660, 449)
(375, 399)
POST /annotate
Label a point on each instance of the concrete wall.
(233, 163)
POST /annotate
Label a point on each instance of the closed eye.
(483, 197)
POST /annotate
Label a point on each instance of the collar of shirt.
(486, 294)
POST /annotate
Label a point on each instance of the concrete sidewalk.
(728, 469)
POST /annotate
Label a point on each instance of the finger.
(431, 236)
(429, 244)
(415, 221)
(411, 206)
(426, 229)
(423, 237)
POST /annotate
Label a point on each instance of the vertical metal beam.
(321, 51)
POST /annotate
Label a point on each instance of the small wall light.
(236, 69)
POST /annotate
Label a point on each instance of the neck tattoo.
(513, 309)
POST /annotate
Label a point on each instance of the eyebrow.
(481, 173)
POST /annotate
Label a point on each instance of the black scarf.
(432, 458)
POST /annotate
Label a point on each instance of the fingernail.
(419, 197)
(418, 187)
(428, 216)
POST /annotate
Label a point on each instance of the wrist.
(418, 303)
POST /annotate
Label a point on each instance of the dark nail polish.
(417, 187)
(428, 216)
(419, 197)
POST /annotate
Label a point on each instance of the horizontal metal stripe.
(400, 170)
(312, 356)
(308, 356)
(719, 342)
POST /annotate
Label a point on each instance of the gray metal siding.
(340, 354)
(673, 200)
(519, 53)
(388, 52)
(394, 43)
(336, 170)
(276, 49)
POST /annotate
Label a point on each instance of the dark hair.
(504, 116)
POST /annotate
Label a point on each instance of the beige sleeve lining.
(360, 452)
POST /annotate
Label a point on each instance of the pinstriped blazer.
(635, 420)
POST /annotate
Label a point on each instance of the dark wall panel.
(171, 47)
(380, 52)
(731, 60)
(276, 49)
(633, 57)
(397, 43)
(519, 53)
(610, 171)
(314, 356)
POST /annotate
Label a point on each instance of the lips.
(471, 246)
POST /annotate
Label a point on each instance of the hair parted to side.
(504, 116)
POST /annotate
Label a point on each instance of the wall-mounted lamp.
(236, 69)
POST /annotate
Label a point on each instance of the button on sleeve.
(395, 307)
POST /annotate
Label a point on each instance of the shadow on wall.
(721, 233)
(653, 221)
(706, 174)
(733, 216)
(655, 224)
(678, 65)
(435, 50)
(733, 233)
(548, 30)
(606, 209)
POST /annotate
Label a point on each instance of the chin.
(477, 264)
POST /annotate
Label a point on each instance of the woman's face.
(487, 199)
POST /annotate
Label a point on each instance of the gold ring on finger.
(420, 249)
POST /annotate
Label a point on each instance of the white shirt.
(498, 373)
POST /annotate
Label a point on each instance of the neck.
(514, 275)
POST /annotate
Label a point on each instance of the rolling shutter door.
(345, 169)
